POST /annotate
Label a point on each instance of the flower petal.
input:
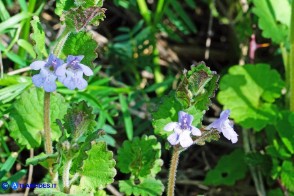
(225, 114)
(195, 131)
(170, 126)
(49, 83)
(190, 119)
(229, 132)
(81, 83)
(185, 139)
(181, 115)
(60, 71)
(36, 65)
(38, 80)
(69, 83)
(173, 139)
(87, 71)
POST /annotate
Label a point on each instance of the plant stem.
(256, 179)
(291, 65)
(65, 175)
(172, 172)
(48, 141)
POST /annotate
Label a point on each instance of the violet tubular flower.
(71, 73)
(46, 78)
(182, 130)
(224, 126)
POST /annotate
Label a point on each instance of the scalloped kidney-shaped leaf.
(80, 43)
(268, 16)
(226, 173)
(26, 125)
(248, 91)
(139, 156)
(98, 169)
(147, 187)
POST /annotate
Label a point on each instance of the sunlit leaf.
(26, 125)
(248, 91)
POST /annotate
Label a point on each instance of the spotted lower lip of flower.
(71, 73)
(224, 126)
(182, 130)
(47, 77)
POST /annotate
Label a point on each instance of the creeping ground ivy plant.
(75, 152)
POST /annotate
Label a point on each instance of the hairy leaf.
(98, 169)
(63, 5)
(40, 158)
(38, 37)
(78, 18)
(79, 120)
(139, 156)
(147, 187)
(80, 43)
(26, 125)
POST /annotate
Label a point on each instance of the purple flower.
(46, 78)
(224, 126)
(182, 130)
(71, 73)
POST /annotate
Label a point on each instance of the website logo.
(5, 185)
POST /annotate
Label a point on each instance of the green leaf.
(27, 46)
(8, 164)
(228, 170)
(260, 161)
(147, 187)
(48, 192)
(98, 170)
(26, 125)
(285, 129)
(38, 36)
(63, 5)
(89, 3)
(80, 43)
(127, 116)
(79, 120)
(81, 154)
(13, 21)
(287, 175)
(78, 18)
(167, 112)
(40, 158)
(249, 91)
(17, 176)
(140, 156)
(269, 14)
(275, 192)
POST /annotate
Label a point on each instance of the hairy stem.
(65, 175)
(48, 140)
(172, 172)
(60, 42)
